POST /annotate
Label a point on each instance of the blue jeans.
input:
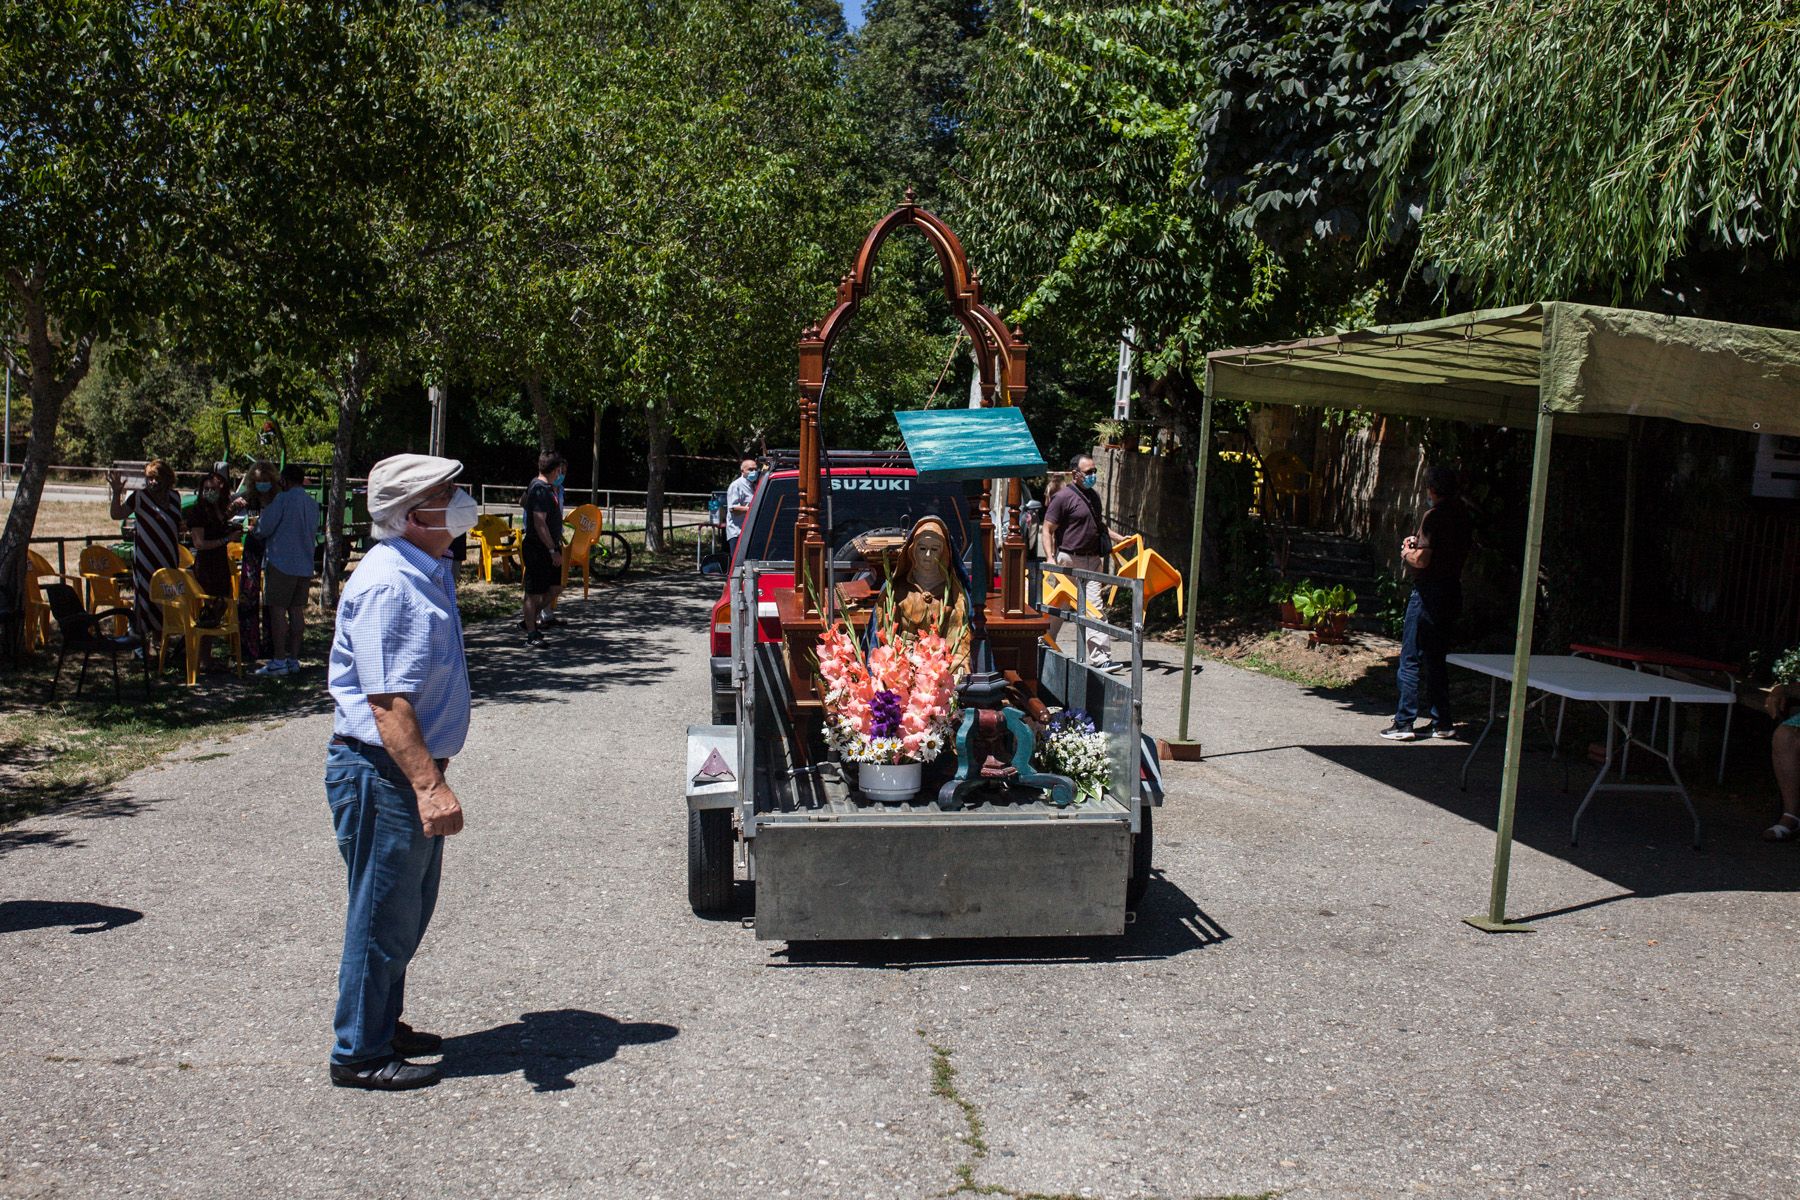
(1431, 614)
(393, 870)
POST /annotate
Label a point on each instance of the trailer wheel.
(1142, 844)
(709, 859)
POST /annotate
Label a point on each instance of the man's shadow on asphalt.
(548, 1046)
(17, 916)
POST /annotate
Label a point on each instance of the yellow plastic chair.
(1134, 560)
(184, 557)
(37, 606)
(182, 601)
(585, 524)
(1289, 479)
(1061, 591)
(102, 573)
(499, 543)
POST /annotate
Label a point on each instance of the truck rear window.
(855, 505)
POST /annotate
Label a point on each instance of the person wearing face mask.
(1075, 535)
(288, 533)
(256, 490)
(737, 504)
(156, 512)
(542, 544)
(400, 690)
(209, 527)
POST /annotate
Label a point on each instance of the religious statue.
(927, 594)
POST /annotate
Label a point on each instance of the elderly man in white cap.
(400, 684)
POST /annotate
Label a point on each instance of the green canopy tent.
(1551, 366)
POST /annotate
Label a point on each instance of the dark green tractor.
(260, 436)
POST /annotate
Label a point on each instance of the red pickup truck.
(866, 492)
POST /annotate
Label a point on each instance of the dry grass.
(62, 750)
(69, 518)
(1366, 661)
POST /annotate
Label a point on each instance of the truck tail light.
(721, 629)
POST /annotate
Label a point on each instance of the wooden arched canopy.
(999, 357)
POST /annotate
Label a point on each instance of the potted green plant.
(1282, 596)
(1109, 432)
(1326, 612)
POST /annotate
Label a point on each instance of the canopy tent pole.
(1631, 473)
(1184, 746)
(1494, 920)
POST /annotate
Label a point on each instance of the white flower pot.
(889, 782)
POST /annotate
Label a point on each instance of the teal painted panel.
(970, 443)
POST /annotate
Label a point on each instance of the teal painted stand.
(968, 780)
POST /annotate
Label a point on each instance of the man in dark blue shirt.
(1435, 555)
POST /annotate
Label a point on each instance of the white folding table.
(1602, 683)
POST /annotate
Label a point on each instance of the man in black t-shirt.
(1435, 555)
(1075, 535)
(542, 543)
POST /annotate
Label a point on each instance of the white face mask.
(459, 514)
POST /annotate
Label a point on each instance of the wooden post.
(1494, 920)
(809, 544)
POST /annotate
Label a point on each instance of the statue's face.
(928, 550)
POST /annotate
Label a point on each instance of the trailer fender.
(712, 767)
(1150, 778)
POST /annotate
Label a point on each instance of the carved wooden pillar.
(1014, 553)
(809, 544)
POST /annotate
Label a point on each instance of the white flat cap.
(396, 482)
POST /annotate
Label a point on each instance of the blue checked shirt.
(288, 530)
(398, 631)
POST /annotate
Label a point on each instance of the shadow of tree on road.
(71, 801)
(624, 636)
(548, 1047)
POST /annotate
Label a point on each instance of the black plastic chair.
(81, 630)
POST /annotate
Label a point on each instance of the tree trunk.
(534, 390)
(47, 395)
(352, 377)
(657, 429)
(594, 485)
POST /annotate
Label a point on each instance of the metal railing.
(1074, 616)
(62, 546)
(508, 497)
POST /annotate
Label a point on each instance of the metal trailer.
(825, 864)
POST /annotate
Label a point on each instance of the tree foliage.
(1629, 149)
(201, 169)
(1081, 193)
(907, 82)
(646, 215)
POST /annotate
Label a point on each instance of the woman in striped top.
(156, 509)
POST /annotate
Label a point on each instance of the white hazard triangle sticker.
(714, 770)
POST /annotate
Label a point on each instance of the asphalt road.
(1299, 1010)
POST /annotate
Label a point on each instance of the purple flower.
(885, 709)
(1071, 720)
